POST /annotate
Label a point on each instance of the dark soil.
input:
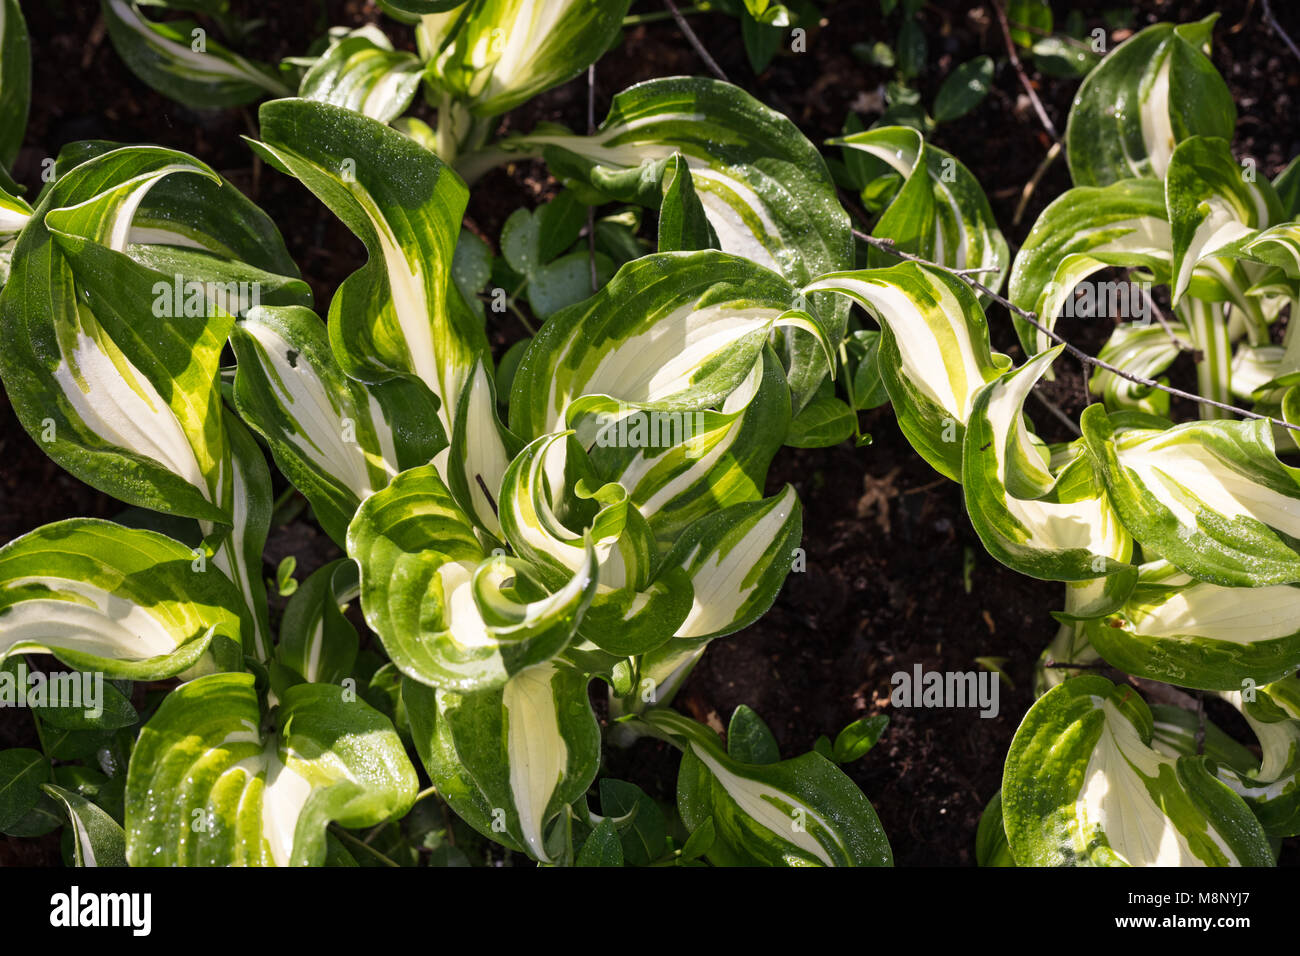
(887, 540)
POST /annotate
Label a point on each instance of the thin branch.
(655, 16)
(1164, 321)
(1020, 71)
(1158, 692)
(1277, 28)
(1052, 407)
(888, 245)
(917, 489)
(695, 41)
(848, 201)
(375, 831)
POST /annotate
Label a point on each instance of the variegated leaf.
(179, 60)
(492, 55)
(1145, 350)
(765, 189)
(737, 560)
(1211, 332)
(670, 332)
(557, 516)
(448, 614)
(1083, 786)
(1082, 232)
(337, 439)
(1211, 497)
(1192, 633)
(14, 214)
(246, 498)
(1272, 789)
(1155, 90)
(481, 450)
(1255, 368)
(934, 351)
(362, 71)
(396, 315)
(131, 604)
(1213, 210)
(119, 390)
(941, 213)
(1176, 732)
(178, 213)
(679, 467)
(734, 562)
(316, 641)
(208, 787)
(1070, 645)
(511, 759)
(1048, 520)
(799, 812)
(1277, 246)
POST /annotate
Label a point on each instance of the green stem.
(848, 388)
(510, 304)
(1208, 329)
(473, 165)
(459, 132)
(361, 844)
(284, 496)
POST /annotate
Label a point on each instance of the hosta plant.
(593, 509)
(475, 60)
(1176, 541)
(601, 516)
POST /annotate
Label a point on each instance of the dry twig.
(695, 41)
